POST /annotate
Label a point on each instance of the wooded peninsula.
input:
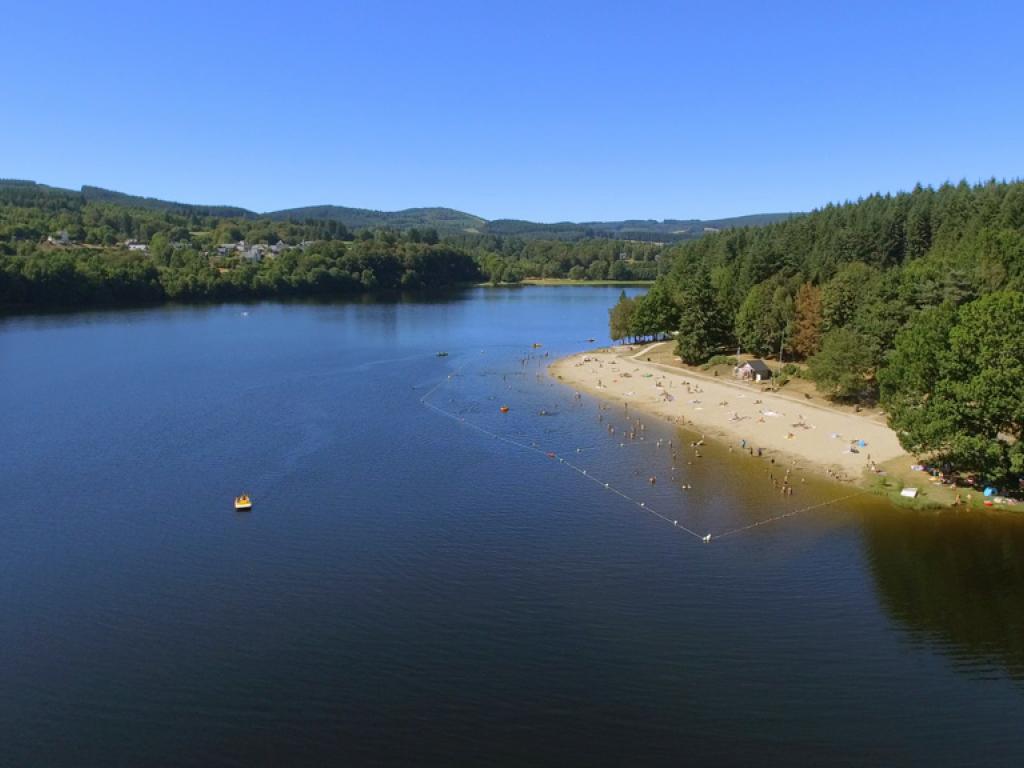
(913, 300)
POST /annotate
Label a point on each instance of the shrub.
(719, 360)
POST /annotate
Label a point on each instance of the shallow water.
(411, 589)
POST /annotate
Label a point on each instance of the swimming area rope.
(532, 446)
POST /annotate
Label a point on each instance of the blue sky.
(548, 111)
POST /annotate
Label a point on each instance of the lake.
(421, 583)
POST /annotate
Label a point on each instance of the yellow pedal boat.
(243, 502)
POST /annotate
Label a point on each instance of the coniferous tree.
(700, 327)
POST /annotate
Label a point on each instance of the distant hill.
(669, 230)
(446, 221)
(100, 195)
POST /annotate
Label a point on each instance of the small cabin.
(753, 370)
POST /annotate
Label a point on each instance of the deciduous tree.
(807, 318)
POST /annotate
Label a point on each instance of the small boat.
(243, 502)
(442, 354)
(537, 346)
(591, 341)
(504, 409)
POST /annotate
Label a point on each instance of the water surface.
(411, 590)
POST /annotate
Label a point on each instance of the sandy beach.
(745, 415)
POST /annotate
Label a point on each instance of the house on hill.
(753, 370)
(255, 253)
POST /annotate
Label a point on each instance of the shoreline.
(548, 281)
(740, 415)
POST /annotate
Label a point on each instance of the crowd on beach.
(781, 479)
(685, 399)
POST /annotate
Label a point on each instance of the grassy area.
(890, 487)
(931, 495)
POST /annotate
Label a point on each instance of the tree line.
(512, 259)
(182, 262)
(76, 277)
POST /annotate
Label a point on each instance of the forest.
(91, 263)
(113, 249)
(914, 300)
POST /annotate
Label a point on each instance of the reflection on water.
(410, 589)
(953, 580)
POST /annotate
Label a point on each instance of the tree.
(643, 321)
(953, 385)
(843, 367)
(842, 295)
(620, 318)
(654, 313)
(160, 248)
(763, 317)
(618, 271)
(598, 270)
(807, 317)
(514, 273)
(907, 382)
(880, 316)
(699, 323)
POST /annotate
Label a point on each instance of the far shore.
(842, 444)
(566, 281)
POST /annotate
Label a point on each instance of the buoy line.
(791, 513)
(561, 460)
(532, 446)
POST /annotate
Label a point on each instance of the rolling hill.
(446, 221)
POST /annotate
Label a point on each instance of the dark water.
(411, 591)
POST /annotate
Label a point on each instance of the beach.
(747, 416)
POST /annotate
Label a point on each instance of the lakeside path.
(816, 436)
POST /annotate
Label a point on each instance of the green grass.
(890, 488)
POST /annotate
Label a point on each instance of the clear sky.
(542, 110)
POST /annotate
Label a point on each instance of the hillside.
(100, 195)
(446, 221)
(651, 230)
